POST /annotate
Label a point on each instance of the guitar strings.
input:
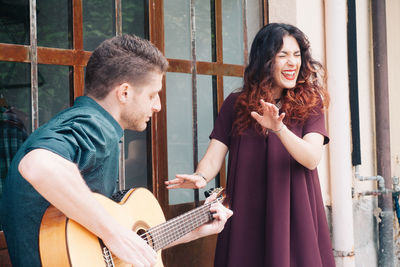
(158, 236)
(169, 223)
(175, 233)
(176, 230)
(155, 232)
(189, 213)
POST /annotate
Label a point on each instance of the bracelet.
(282, 127)
(201, 175)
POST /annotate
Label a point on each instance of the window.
(204, 42)
(42, 70)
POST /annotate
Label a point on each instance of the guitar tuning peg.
(208, 192)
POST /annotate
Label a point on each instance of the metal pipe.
(381, 184)
(353, 81)
(340, 133)
(118, 32)
(34, 65)
(194, 92)
(245, 37)
(385, 201)
(378, 178)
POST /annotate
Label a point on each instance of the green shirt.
(85, 134)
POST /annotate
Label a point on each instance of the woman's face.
(287, 66)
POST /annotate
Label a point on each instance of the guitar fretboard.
(162, 235)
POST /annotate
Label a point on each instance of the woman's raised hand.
(270, 119)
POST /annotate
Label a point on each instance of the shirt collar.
(88, 101)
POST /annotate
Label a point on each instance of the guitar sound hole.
(141, 232)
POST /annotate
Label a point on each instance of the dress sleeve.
(223, 125)
(316, 124)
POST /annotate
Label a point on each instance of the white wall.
(365, 229)
(393, 33)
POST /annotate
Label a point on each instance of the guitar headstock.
(220, 191)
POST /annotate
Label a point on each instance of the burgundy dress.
(279, 218)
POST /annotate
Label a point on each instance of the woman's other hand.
(186, 181)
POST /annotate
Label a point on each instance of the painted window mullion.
(34, 64)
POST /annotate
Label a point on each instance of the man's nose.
(157, 104)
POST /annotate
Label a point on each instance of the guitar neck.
(164, 234)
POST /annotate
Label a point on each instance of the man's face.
(144, 101)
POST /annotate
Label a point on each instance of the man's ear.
(123, 90)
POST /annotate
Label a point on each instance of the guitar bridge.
(107, 256)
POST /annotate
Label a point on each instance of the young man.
(76, 153)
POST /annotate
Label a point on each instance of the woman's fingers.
(280, 118)
(185, 181)
(174, 181)
(256, 116)
(270, 118)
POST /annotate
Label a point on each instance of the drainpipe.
(381, 90)
(339, 132)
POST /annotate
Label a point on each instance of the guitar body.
(63, 242)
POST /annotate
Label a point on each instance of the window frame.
(77, 58)
(218, 69)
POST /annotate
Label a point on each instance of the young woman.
(274, 130)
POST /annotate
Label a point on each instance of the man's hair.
(126, 58)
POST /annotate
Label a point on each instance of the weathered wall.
(393, 33)
(365, 223)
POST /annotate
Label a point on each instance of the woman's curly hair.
(299, 102)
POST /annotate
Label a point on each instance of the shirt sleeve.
(223, 125)
(74, 141)
(316, 124)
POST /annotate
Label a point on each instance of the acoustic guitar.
(64, 242)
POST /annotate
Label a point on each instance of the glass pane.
(231, 84)
(179, 132)
(135, 159)
(204, 30)
(52, 23)
(98, 22)
(134, 17)
(15, 87)
(14, 22)
(54, 91)
(205, 119)
(177, 29)
(232, 31)
(15, 111)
